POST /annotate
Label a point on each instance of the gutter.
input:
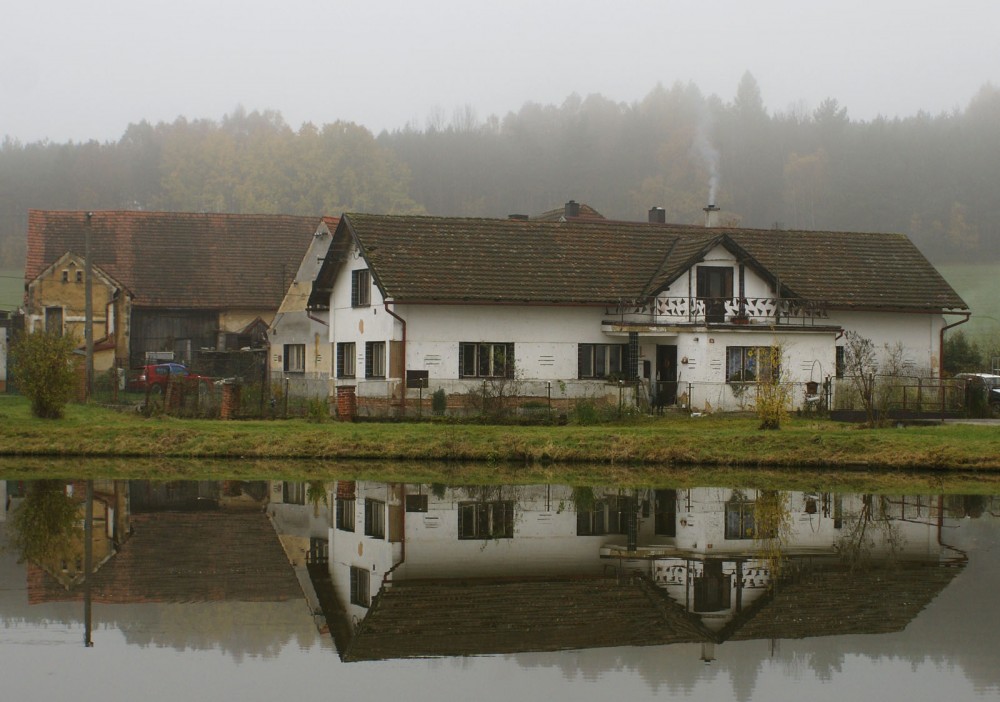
(325, 323)
(403, 322)
(945, 328)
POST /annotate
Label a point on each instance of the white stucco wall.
(919, 335)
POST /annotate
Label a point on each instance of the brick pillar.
(347, 403)
(230, 401)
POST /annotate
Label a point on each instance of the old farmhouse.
(630, 311)
(169, 284)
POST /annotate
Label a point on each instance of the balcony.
(703, 311)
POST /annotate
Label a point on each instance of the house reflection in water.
(429, 570)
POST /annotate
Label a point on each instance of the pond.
(365, 589)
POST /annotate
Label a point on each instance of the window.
(79, 276)
(361, 288)
(346, 358)
(607, 516)
(293, 493)
(295, 358)
(360, 594)
(739, 519)
(485, 360)
(65, 276)
(416, 503)
(54, 320)
(841, 362)
(602, 360)
(486, 520)
(375, 359)
(344, 508)
(375, 518)
(752, 363)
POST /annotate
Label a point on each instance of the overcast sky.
(72, 70)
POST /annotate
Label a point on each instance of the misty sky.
(72, 70)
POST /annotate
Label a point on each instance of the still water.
(368, 590)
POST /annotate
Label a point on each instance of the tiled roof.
(180, 259)
(427, 259)
(486, 260)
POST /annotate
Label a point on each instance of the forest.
(935, 178)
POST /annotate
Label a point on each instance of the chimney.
(572, 209)
(711, 216)
(518, 217)
(657, 215)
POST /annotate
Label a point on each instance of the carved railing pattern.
(729, 310)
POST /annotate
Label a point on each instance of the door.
(715, 288)
(665, 394)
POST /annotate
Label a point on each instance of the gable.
(180, 259)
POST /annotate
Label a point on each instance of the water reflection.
(391, 570)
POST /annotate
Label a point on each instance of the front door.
(666, 376)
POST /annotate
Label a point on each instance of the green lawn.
(979, 286)
(11, 289)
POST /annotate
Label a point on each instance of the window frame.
(593, 355)
(375, 360)
(347, 360)
(474, 355)
(360, 587)
(293, 493)
(743, 361)
(375, 518)
(297, 353)
(344, 513)
(361, 287)
(482, 521)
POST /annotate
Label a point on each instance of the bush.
(439, 402)
(42, 364)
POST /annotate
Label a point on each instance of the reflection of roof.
(835, 601)
(416, 619)
(479, 616)
(188, 557)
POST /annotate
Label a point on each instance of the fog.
(81, 71)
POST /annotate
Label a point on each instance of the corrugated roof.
(180, 259)
(524, 261)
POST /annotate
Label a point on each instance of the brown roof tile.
(602, 261)
(180, 259)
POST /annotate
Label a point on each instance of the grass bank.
(673, 441)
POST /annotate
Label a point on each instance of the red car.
(155, 377)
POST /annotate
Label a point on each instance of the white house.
(299, 338)
(640, 311)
